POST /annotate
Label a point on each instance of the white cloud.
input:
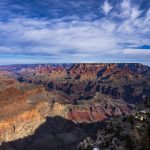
(79, 37)
(106, 7)
(136, 51)
(125, 4)
(125, 8)
(135, 12)
(76, 38)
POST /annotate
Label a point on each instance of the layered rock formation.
(126, 132)
(131, 132)
(55, 133)
(81, 93)
(126, 81)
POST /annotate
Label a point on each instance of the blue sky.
(63, 31)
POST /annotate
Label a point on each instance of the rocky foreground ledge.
(126, 132)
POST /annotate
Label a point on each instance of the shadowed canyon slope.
(55, 133)
(29, 94)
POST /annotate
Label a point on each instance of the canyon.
(65, 100)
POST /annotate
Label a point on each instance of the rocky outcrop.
(126, 81)
(55, 133)
(27, 105)
(130, 132)
(24, 123)
(20, 126)
(121, 132)
(79, 93)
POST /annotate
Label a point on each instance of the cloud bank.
(94, 31)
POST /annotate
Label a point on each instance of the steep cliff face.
(97, 109)
(24, 107)
(55, 133)
(121, 132)
(130, 132)
(25, 121)
(77, 92)
(81, 81)
(20, 126)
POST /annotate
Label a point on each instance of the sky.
(74, 31)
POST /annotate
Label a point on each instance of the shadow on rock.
(56, 133)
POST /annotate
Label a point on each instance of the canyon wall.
(78, 92)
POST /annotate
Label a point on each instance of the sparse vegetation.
(130, 132)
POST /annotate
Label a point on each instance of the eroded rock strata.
(29, 94)
(126, 81)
